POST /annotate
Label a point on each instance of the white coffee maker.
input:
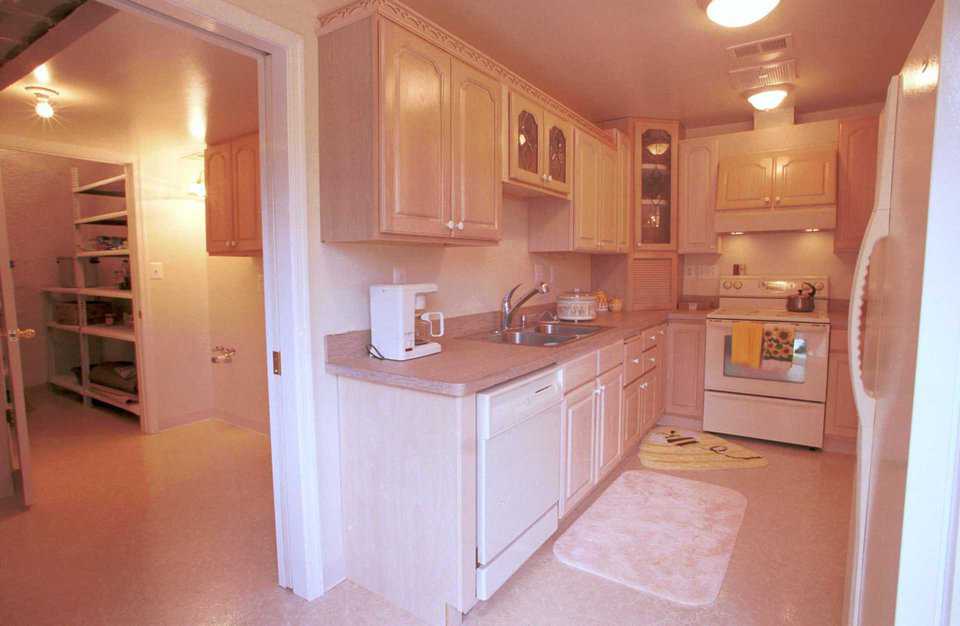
(394, 313)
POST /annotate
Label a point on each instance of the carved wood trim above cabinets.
(425, 28)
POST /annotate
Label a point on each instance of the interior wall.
(235, 295)
(179, 385)
(470, 279)
(771, 253)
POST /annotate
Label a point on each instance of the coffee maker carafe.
(395, 311)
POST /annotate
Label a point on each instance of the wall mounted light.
(736, 232)
(43, 95)
(769, 99)
(811, 230)
(738, 13)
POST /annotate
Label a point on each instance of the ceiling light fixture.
(44, 95)
(738, 13)
(768, 99)
(656, 149)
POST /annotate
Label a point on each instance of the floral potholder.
(778, 342)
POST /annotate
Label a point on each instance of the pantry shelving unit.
(94, 339)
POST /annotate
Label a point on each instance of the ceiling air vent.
(757, 76)
(762, 49)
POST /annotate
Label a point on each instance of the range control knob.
(726, 284)
(737, 284)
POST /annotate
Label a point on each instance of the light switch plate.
(156, 270)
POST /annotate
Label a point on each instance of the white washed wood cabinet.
(232, 180)
(591, 219)
(685, 347)
(410, 140)
(698, 194)
(783, 190)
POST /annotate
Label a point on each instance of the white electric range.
(780, 400)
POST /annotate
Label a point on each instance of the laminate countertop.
(467, 365)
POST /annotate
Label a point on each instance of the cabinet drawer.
(579, 371)
(633, 360)
(609, 357)
(653, 336)
(838, 341)
(651, 358)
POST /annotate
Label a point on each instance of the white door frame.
(293, 437)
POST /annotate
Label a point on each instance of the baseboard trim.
(689, 423)
(840, 445)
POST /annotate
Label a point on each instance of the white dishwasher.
(518, 473)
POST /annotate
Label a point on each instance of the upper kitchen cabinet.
(232, 179)
(698, 194)
(539, 147)
(655, 161)
(857, 165)
(591, 220)
(410, 140)
(784, 190)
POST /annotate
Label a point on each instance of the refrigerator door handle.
(877, 230)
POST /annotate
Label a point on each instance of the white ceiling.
(130, 78)
(664, 58)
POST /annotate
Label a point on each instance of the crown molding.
(425, 28)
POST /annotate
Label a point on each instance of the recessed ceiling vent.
(766, 75)
(762, 49)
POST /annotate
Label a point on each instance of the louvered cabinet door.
(652, 282)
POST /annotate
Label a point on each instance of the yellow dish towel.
(747, 344)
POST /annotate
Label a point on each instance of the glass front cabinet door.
(540, 144)
(657, 184)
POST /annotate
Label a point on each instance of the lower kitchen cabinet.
(686, 342)
(632, 409)
(578, 445)
(609, 449)
(841, 412)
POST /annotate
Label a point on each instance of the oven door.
(805, 378)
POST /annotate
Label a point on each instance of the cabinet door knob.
(550, 177)
(766, 200)
(653, 359)
(636, 361)
(777, 200)
(644, 385)
(450, 225)
(460, 225)
(597, 392)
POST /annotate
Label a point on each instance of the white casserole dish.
(576, 306)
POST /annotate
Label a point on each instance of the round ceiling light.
(768, 99)
(43, 106)
(737, 13)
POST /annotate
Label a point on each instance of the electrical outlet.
(538, 272)
(156, 270)
(399, 275)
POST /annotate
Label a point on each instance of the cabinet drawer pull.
(636, 361)
(644, 385)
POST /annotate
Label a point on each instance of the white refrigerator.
(883, 329)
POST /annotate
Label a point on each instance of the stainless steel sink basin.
(544, 334)
(559, 328)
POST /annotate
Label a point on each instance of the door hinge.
(478, 556)
(277, 364)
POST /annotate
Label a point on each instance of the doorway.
(288, 335)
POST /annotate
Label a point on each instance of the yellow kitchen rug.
(667, 448)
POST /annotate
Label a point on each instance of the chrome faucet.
(508, 310)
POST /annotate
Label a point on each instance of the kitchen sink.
(544, 334)
(559, 328)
